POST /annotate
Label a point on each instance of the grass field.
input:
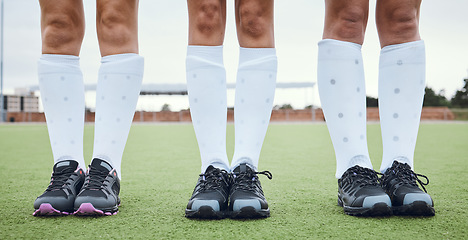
(160, 168)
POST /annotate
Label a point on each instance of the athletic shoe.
(100, 193)
(400, 182)
(210, 196)
(360, 193)
(65, 183)
(246, 196)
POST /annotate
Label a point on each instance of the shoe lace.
(407, 176)
(95, 178)
(246, 179)
(213, 179)
(58, 179)
(363, 176)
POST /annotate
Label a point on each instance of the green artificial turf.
(161, 165)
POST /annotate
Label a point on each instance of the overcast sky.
(298, 28)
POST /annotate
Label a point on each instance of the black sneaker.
(210, 197)
(360, 193)
(65, 183)
(400, 182)
(100, 193)
(246, 196)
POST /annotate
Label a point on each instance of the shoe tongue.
(101, 165)
(241, 168)
(62, 165)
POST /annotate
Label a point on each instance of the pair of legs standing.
(401, 91)
(255, 87)
(62, 94)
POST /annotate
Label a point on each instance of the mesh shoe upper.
(211, 185)
(101, 187)
(399, 181)
(246, 186)
(65, 183)
(357, 184)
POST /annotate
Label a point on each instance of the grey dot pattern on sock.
(399, 62)
(194, 75)
(345, 139)
(124, 97)
(242, 100)
(128, 77)
(340, 115)
(360, 114)
(356, 61)
(332, 81)
(395, 115)
(358, 89)
(267, 100)
(62, 78)
(396, 138)
(65, 99)
(396, 91)
(243, 80)
(118, 119)
(195, 100)
(361, 137)
(69, 119)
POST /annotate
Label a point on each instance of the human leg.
(343, 98)
(255, 89)
(206, 85)
(62, 94)
(117, 92)
(401, 93)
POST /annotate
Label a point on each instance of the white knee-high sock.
(206, 85)
(343, 96)
(401, 92)
(255, 92)
(62, 95)
(117, 92)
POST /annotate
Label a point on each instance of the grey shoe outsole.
(250, 213)
(377, 210)
(417, 208)
(205, 212)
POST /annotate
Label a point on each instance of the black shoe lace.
(363, 176)
(213, 179)
(406, 176)
(95, 178)
(246, 179)
(58, 179)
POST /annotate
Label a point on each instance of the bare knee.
(253, 20)
(348, 24)
(400, 22)
(114, 27)
(209, 18)
(61, 31)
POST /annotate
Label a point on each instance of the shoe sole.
(88, 210)
(204, 212)
(46, 210)
(250, 212)
(417, 208)
(377, 210)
